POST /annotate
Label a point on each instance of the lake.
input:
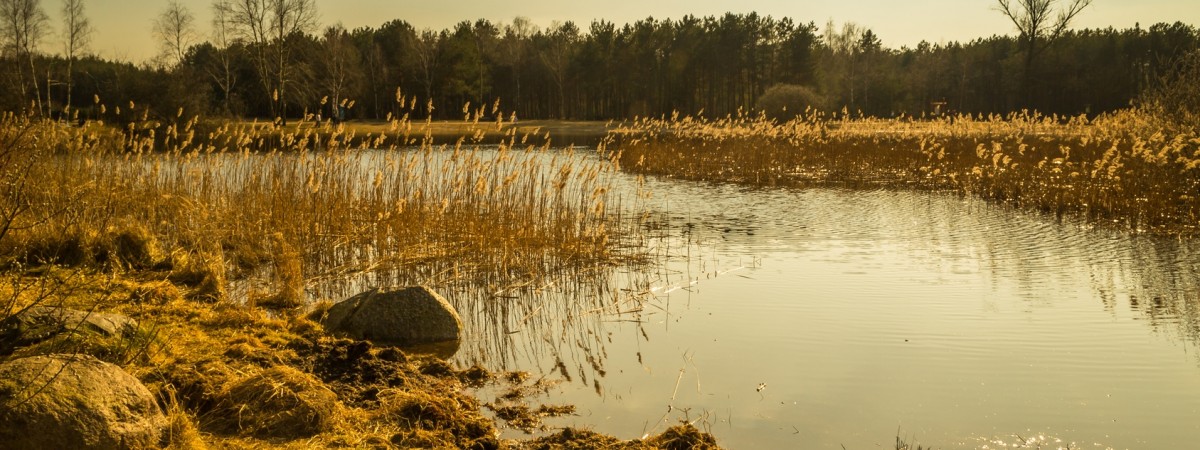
(829, 317)
(816, 318)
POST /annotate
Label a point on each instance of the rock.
(280, 402)
(40, 323)
(78, 402)
(410, 316)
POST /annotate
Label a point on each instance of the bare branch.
(176, 30)
(77, 29)
(1067, 15)
(1036, 19)
(22, 27)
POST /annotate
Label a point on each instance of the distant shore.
(527, 132)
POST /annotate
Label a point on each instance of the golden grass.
(535, 132)
(279, 402)
(1126, 168)
(322, 203)
(193, 229)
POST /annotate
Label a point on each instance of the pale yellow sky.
(122, 27)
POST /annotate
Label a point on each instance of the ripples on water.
(825, 317)
(950, 318)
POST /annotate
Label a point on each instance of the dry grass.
(211, 207)
(203, 232)
(235, 376)
(279, 402)
(1126, 168)
(182, 432)
(532, 132)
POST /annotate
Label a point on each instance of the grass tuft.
(280, 402)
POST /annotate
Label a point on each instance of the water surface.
(822, 318)
(818, 318)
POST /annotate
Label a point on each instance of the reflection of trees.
(1157, 275)
(1046, 260)
(1164, 285)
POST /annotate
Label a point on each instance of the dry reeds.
(297, 205)
(183, 222)
(1124, 167)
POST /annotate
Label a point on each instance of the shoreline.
(356, 133)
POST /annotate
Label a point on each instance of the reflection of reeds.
(1120, 167)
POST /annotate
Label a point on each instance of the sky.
(123, 27)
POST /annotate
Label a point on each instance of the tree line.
(269, 59)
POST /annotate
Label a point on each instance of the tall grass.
(1128, 167)
(228, 201)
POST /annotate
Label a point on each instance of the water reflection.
(815, 318)
(862, 310)
(948, 236)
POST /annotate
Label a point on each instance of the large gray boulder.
(75, 401)
(40, 323)
(405, 317)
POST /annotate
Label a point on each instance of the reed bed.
(214, 235)
(1127, 168)
(310, 202)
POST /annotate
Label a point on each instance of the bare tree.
(427, 47)
(557, 55)
(485, 34)
(342, 67)
(22, 26)
(844, 53)
(247, 20)
(267, 25)
(1040, 23)
(176, 30)
(516, 38)
(77, 33)
(220, 68)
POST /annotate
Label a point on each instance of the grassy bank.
(1126, 168)
(215, 246)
